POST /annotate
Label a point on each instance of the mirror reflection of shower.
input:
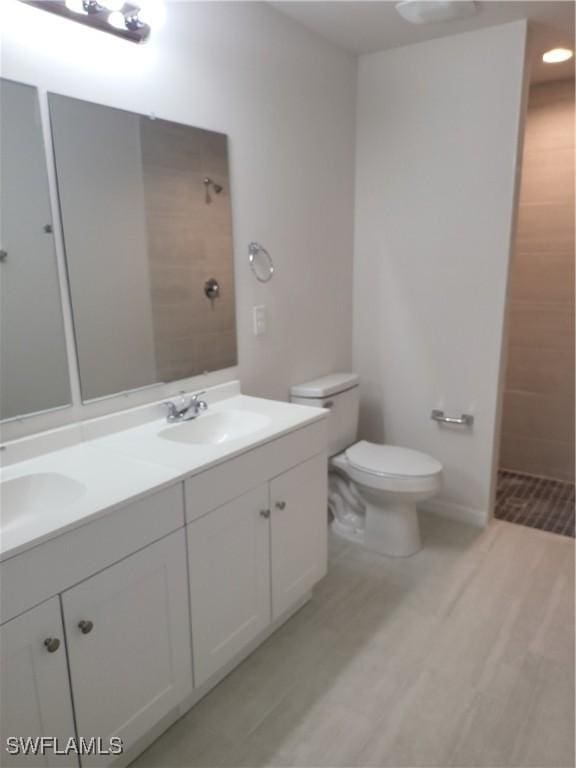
(216, 188)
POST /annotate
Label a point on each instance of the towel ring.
(256, 253)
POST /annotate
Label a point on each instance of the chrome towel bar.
(466, 420)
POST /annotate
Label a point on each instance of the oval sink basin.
(23, 497)
(216, 428)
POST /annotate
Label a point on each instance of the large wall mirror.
(33, 360)
(145, 207)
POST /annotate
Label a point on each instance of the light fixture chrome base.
(97, 17)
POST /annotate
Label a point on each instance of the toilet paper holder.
(466, 420)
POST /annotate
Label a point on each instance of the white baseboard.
(457, 512)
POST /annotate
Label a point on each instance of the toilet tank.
(340, 393)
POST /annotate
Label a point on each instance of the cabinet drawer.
(219, 485)
(46, 570)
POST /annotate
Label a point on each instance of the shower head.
(208, 182)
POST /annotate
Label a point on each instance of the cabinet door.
(229, 563)
(299, 529)
(34, 690)
(128, 635)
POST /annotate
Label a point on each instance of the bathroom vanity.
(141, 558)
(140, 566)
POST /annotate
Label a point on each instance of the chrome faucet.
(185, 408)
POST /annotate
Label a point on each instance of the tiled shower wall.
(189, 242)
(538, 412)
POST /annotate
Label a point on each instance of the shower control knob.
(212, 289)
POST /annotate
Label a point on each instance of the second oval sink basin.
(215, 428)
(33, 494)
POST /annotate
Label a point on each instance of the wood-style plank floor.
(462, 655)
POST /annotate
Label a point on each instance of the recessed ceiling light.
(557, 55)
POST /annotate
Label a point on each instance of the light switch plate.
(259, 320)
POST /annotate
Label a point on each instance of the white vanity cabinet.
(128, 637)
(257, 556)
(298, 538)
(229, 564)
(114, 627)
(118, 622)
(35, 696)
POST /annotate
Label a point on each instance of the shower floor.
(537, 502)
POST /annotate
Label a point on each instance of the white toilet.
(374, 488)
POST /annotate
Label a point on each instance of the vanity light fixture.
(111, 5)
(131, 20)
(557, 55)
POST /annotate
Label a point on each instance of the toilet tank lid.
(326, 385)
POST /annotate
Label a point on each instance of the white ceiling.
(365, 26)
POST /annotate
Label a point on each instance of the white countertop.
(121, 467)
(143, 442)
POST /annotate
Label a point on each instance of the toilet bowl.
(391, 481)
(373, 488)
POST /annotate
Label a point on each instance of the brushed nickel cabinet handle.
(85, 626)
(52, 644)
(265, 513)
(280, 505)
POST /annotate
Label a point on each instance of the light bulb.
(112, 5)
(152, 12)
(76, 6)
(557, 55)
(117, 20)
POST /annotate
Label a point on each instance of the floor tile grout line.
(535, 501)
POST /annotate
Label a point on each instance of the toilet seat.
(421, 472)
(391, 460)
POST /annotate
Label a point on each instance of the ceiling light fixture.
(433, 11)
(557, 55)
(131, 20)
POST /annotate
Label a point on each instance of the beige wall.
(538, 412)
